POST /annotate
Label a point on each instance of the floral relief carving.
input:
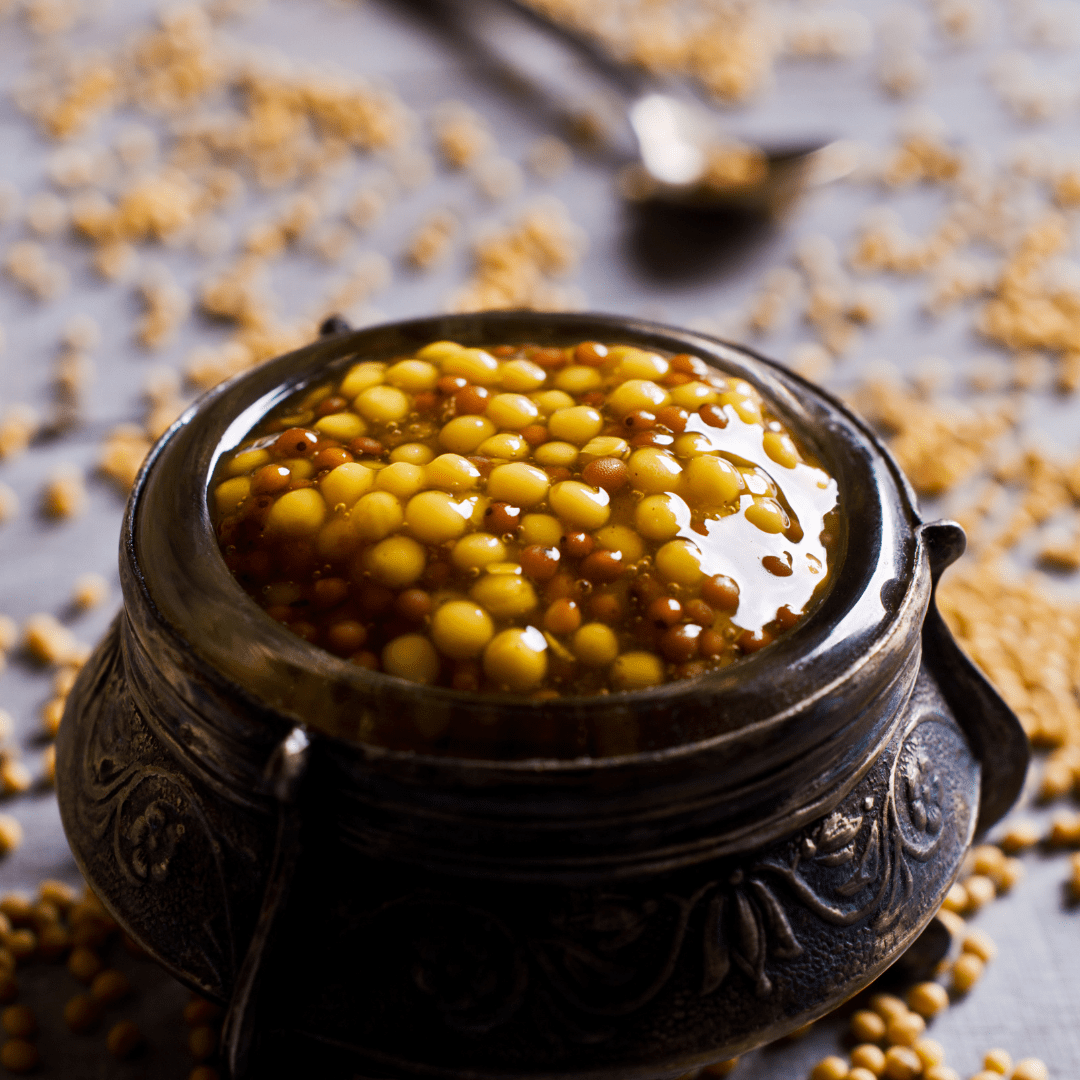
(746, 924)
(153, 837)
(608, 955)
(135, 805)
(869, 846)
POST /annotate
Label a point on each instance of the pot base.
(646, 979)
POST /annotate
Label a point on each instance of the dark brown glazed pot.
(421, 882)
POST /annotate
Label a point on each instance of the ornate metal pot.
(764, 842)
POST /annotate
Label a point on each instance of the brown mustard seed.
(603, 567)
(665, 611)
(608, 473)
(539, 562)
(562, 617)
(296, 442)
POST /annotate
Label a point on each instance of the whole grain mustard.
(526, 519)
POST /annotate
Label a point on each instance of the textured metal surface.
(651, 942)
(1029, 1000)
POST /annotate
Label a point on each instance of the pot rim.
(779, 385)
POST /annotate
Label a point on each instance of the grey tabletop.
(701, 273)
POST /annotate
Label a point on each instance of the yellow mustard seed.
(19, 1021)
(721, 1068)
(998, 1061)
(578, 379)
(1065, 829)
(941, 1072)
(461, 629)
(888, 1006)
(623, 539)
(412, 375)
(512, 412)
(412, 454)
(635, 395)
(299, 513)
(1012, 871)
(124, 1040)
(966, 972)
(556, 454)
(15, 776)
(19, 1056)
(518, 483)
(859, 1073)
(89, 592)
(781, 449)
(464, 434)
(927, 999)
(767, 514)
(988, 859)
(476, 365)
(576, 424)
(679, 562)
(930, 1051)
(956, 899)
(109, 986)
(579, 505)
(541, 529)
(637, 671)
(477, 550)
(516, 659)
(84, 964)
(519, 478)
(202, 1042)
(869, 1056)
(1030, 1069)
(653, 470)
(11, 834)
(595, 644)
(980, 944)
(902, 1063)
(82, 1014)
(396, 562)
(830, 1068)
(713, 481)
(661, 517)
(505, 596)
(904, 1029)
(980, 891)
(505, 446)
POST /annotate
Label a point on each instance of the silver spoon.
(682, 156)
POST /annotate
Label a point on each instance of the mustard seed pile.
(537, 520)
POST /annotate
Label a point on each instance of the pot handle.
(991, 726)
(284, 772)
